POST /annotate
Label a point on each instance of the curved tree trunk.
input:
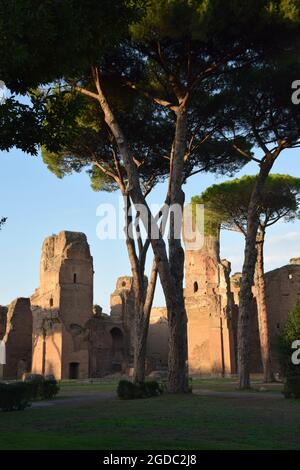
(246, 295)
(142, 320)
(171, 279)
(263, 324)
(143, 296)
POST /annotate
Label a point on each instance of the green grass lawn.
(74, 387)
(71, 387)
(227, 384)
(166, 422)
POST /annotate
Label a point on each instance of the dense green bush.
(290, 371)
(127, 390)
(151, 389)
(36, 382)
(19, 395)
(15, 396)
(292, 386)
(130, 391)
(49, 389)
(43, 388)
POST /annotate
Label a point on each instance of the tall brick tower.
(210, 307)
(61, 306)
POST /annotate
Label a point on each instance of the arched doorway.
(117, 349)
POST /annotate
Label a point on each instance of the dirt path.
(72, 400)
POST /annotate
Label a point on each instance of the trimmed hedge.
(19, 395)
(50, 389)
(129, 391)
(15, 396)
(35, 381)
(43, 388)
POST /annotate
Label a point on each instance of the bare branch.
(159, 101)
(86, 92)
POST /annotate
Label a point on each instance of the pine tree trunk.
(177, 318)
(140, 349)
(262, 313)
(177, 361)
(246, 295)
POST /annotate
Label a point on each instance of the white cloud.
(289, 236)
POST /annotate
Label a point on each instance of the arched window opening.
(74, 278)
(196, 287)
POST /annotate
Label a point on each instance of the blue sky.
(38, 204)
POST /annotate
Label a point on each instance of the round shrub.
(43, 388)
(49, 389)
(152, 389)
(129, 391)
(36, 381)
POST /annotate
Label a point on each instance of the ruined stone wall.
(157, 343)
(3, 315)
(122, 311)
(18, 339)
(71, 337)
(63, 304)
(47, 342)
(210, 309)
(282, 293)
(107, 342)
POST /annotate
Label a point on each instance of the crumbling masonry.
(59, 332)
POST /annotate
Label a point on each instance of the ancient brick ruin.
(60, 332)
(3, 316)
(71, 337)
(212, 314)
(17, 338)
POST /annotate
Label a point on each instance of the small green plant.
(129, 391)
